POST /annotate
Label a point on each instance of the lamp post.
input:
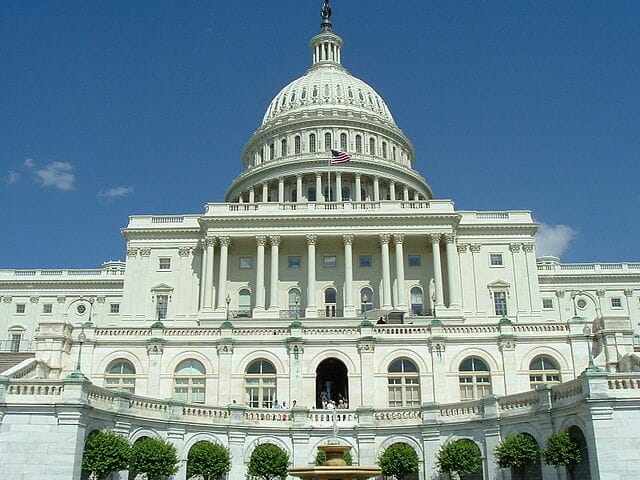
(296, 310)
(228, 300)
(587, 333)
(82, 337)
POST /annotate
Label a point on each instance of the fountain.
(334, 468)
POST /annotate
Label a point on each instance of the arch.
(474, 378)
(322, 356)
(343, 142)
(191, 354)
(332, 382)
(372, 146)
(199, 437)
(581, 470)
(254, 355)
(293, 196)
(313, 447)
(544, 370)
(262, 440)
(312, 143)
(120, 375)
(387, 442)
(416, 296)
(244, 302)
(143, 432)
(297, 141)
(330, 301)
(283, 147)
(539, 350)
(327, 141)
(358, 143)
(346, 193)
(483, 354)
(403, 379)
(416, 357)
(260, 384)
(294, 302)
(366, 299)
(120, 354)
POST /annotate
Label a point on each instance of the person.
(293, 405)
(331, 405)
(324, 398)
(341, 404)
(284, 405)
(276, 405)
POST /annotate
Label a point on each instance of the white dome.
(328, 85)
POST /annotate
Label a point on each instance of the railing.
(292, 313)
(94, 272)
(603, 268)
(168, 219)
(395, 415)
(267, 415)
(242, 313)
(329, 417)
(330, 312)
(462, 409)
(17, 346)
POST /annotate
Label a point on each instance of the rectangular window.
(495, 259)
(547, 303)
(365, 261)
(330, 261)
(20, 308)
(415, 260)
(16, 339)
(616, 302)
(47, 308)
(500, 303)
(294, 261)
(245, 262)
(114, 308)
(164, 264)
(161, 306)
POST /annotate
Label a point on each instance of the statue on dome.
(326, 10)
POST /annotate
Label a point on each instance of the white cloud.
(55, 174)
(553, 239)
(115, 192)
(13, 177)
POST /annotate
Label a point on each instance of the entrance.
(331, 383)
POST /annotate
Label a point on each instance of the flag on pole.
(338, 156)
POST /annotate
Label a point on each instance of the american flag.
(338, 156)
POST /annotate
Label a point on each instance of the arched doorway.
(332, 382)
(581, 470)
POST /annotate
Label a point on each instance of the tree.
(462, 457)
(104, 453)
(399, 460)
(156, 458)
(562, 451)
(321, 457)
(517, 452)
(211, 460)
(268, 462)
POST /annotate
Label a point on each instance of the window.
(47, 308)
(121, 376)
(294, 261)
(81, 309)
(495, 260)
(295, 301)
(365, 261)
(346, 193)
(358, 143)
(417, 301)
(296, 144)
(372, 146)
(260, 384)
(245, 262)
(547, 303)
(311, 194)
(15, 341)
(272, 151)
(366, 299)
(312, 142)
(327, 141)
(384, 149)
(404, 384)
(343, 142)
(330, 261)
(474, 379)
(244, 303)
(415, 260)
(283, 147)
(500, 303)
(164, 263)
(543, 370)
(161, 306)
(294, 196)
(616, 302)
(330, 302)
(190, 381)
(20, 308)
(114, 308)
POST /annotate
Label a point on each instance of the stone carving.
(450, 237)
(100, 299)
(384, 238)
(261, 240)
(62, 299)
(506, 344)
(600, 293)
(462, 247)
(560, 293)
(155, 346)
(275, 240)
(225, 241)
(210, 241)
(132, 252)
(312, 239)
(435, 238)
(145, 251)
(437, 346)
(295, 349)
(184, 251)
(514, 247)
(348, 239)
(474, 247)
(628, 292)
(528, 247)
(398, 238)
(222, 348)
(6, 299)
(366, 346)
(34, 299)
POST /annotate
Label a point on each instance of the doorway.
(332, 383)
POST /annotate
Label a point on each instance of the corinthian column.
(349, 307)
(338, 187)
(312, 308)
(261, 240)
(207, 273)
(453, 270)
(401, 298)
(358, 188)
(386, 273)
(273, 284)
(437, 268)
(222, 278)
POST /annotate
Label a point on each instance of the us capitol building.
(315, 282)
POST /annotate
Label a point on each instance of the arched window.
(296, 144)
(272, 151)
(327, 141)
(366, 299)
(330, 302)
(311, 194)
(404, 383)
(189, 380)
(372, 146)
(543, 370)
(260, 384)
(312, 142)
(358, 143)
(343, 142)
(244, 303)
(283, 147)
(417, 301)
(384, 149)
(346, 193)
(121, 375)
(474, 379)
(295, 303)
(260, 156)
(393, 153)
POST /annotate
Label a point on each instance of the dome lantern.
(326, 45)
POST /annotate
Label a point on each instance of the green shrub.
(156, 458)
(105, 452)
(211, 460)
(268, 462)
(399, 460)
(517, 452)
(462, 457)
(562, 451)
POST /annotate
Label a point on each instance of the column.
(281, 189)
(222, 278)
(437, 269)
(252, 195)
(312, 308)
(392, 190)
(376, 189)
(405, 193)
(386, 273)
(319, 194)
(453, 270)
(401, 297)
(349, 307)
(207, 272)
(261, 240)
(416, 196)
(299, 193)
(358, 196)
(338, 187)
(265, 192)
(273, 284)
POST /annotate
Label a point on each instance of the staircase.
(10, 359)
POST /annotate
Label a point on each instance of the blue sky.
(116, 108)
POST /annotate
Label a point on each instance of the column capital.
(281, 179)
(528, 247)
(318, 174)
(514, 247)
(358, 175)
(338, 174)
(132, 252)
(210, 241)
(261, 240)
(347, 238)
(462, 247)
(298, 175)
(275, 240)
(312, 239)
(265, 184)
(628, 292)
(184, 251)
(450, 237)
(474, 247)
(398, 238)
(225, 241)
(384, 238)
(435, 238)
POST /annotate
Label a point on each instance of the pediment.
(498, 284)
(162, 287)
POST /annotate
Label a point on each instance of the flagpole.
(328, 179)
